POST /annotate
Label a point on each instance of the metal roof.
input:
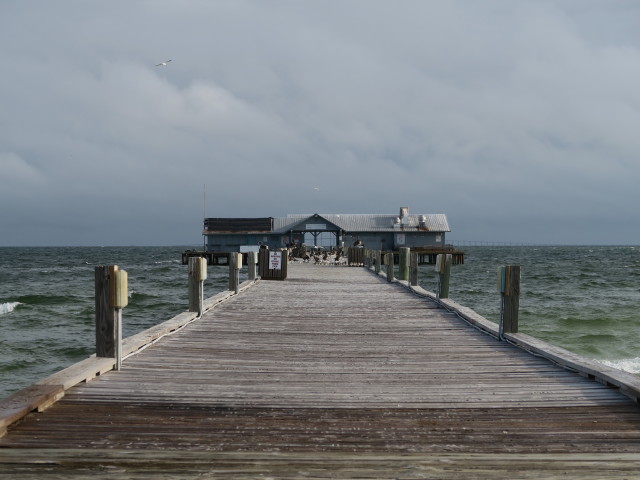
(230, 225)
(434, 222)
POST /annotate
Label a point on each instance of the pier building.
(384, 232)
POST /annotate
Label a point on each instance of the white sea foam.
(8, 307)
(631, 365)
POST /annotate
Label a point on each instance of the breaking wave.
(631, 365)
(8, 307)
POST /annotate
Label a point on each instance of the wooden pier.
(333, 373)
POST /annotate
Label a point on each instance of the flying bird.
(163, 64)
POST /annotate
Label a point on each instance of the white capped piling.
(368, 258)
(197, 276)
(403, 263)
(235, 264)
(252, 259)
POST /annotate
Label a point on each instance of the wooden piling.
(388, 261)
(252, 257)
(111, 296)
(197, 275)
(413, 269)
(235, 263)
(511, 299)
(443, 267)
(106, 316)
(403, 263)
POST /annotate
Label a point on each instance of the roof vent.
(404, 215)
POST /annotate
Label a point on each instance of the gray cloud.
(516, 119)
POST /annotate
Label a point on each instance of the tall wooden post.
(413, 269)
(388, 261)
(197, 276)
(443, 267)
(235, 263)
(403, 266)
(111, 296)
(251, 265)
(509, 287)
(378, 260)
(105, 316)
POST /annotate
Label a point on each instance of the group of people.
(319, 256)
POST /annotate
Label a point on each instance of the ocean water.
(585, 299)
(582, 298)
(47, 302)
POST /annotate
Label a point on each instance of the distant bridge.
(491, 243)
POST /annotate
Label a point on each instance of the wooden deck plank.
(121, 464)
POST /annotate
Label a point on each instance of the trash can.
(272, 264)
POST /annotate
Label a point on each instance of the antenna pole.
(204, 215)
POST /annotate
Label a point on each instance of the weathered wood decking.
(332, 373)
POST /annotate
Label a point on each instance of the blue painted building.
(380, 232)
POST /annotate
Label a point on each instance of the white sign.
(315, 226)
(275, 259)
(400, 238)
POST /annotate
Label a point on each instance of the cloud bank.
(516, 119)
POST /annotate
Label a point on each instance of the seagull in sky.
(163, 64)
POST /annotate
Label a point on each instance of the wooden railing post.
(413, 269)
(197, 276)
(378, 260)
(251, 265)
(509, 287)
(403, 264)
(388, 261)
(443, 267)
(235, 263)
(111, 296)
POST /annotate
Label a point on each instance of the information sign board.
(275, 260)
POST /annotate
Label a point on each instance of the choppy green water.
(47, 311)
(584, 299)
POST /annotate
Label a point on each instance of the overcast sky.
(519, 120)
